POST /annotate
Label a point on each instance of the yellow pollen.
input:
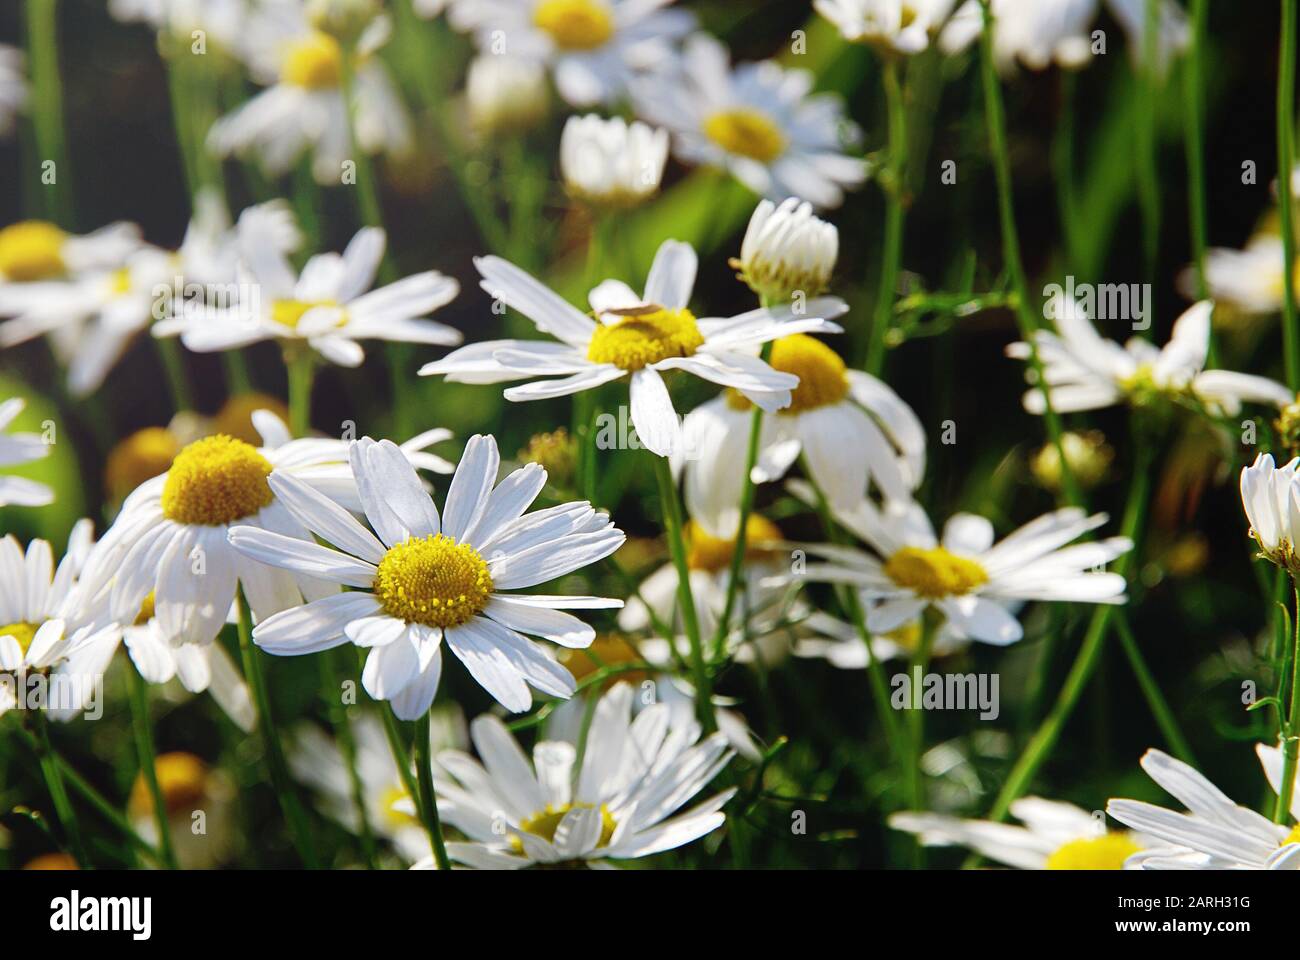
(395, 819)
(290, 312)
(545, 822)
(120, 281)
(235, 418)
(746, 132)
(637, 341)
(214, 481)
(182, 778)
(1292, 837)
(575, 24)
(142, 456)
(146, 610)
(433, 580)
(1107, 852)
(934, 573)
(823, 377)
(31, 250)
(314, 62)
(23, 632)
(711, 553)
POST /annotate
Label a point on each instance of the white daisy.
(1215, 833)
(170, 536)
(221, 21)
(787, 251)
(840, 644)
(966, 577)
(1085, 371)
(637, 337)
(33, 251)
(1270, 496)
(758, 121)
(612, 163)
(1055, 836)
(1248, 280)
(1038, 33)
(317, 761)
(619, 804)
(328, 307)
(302, 108)
(505, 95)
(595, 47)
(850, 428)
(46, 626)
(13, 87)
(188, 785)
(425, 576)
(896, 26)
(19, 448)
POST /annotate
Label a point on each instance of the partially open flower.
(505, 94)
(1088, 455)
(611, 163)
(787, 251)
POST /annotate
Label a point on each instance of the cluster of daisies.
(306, 543)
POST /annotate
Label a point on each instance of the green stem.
(1147, 117)
(1285, 160)
(148, 757)
(47, 106)
(51, 769)
(1063, 148)
(895, 198)
(1025, 317)
(1290, 743)
(301, 367)
(367, 191)
(178, 382)
(1164, 716)
(398, 749)
(279, 770)
(1194, 132)
(685, 600)
(428, 796)
(348, 748)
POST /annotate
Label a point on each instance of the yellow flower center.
(641, 339)
(823, 377)
(1107, 852)
(395, 819)
(31, 250)
(746, 132)
(711, 553)
(119, 281)
(314, 62)
(216, 480)
(146, 610)
(1292, 837)
(290, 312)
(575, 24)
(433, 580)
(142, 456)
(544, 823)
(23, 632)
(935, 572)
(182, 778)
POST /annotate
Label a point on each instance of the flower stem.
(144, 747)
(1164, 716)
(178, 382)
(280, 781)
(1290, 743)
(1285, 160)
(47, 106)
(338, 715)
(1025, 318)
(895, 198)
(428, 797)
(1194, 134)
(52, 772)
(1146, 115)
(685, 599)
(301, 367)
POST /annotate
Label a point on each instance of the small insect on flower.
(1215, 833)
(757, 121)
(638, 337)
(421, 577)
(617, 804)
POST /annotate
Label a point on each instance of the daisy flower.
(328, 307)
(758, 121)
(1085, 371)
(894, 26)
(505, 95)
(1269, 496)
(1215, 833)
(13, 87)
(595, 47)
(612, 163)
(636, 337)
(786, 251)
(1247, 280)
(966, 576)
(19, 448)
(222, 21)
(849, 427)
(316, 760)
(618, 804)
(1038, 33)
(170, 537)
(33, 251)
(46, 626)
(302, 108)
(188, 785)
(427, 577)
(840, 644)
(1055, 836)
